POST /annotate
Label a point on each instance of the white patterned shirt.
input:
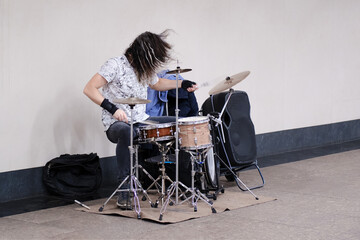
(122, 82)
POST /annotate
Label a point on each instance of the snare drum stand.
(135, 185)
(163, 148)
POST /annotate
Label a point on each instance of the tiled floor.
(317, 198)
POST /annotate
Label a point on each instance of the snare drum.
(156, 132)
(194, 133)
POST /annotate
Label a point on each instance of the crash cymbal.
(179, 70)
(131, 101)
(228, 82)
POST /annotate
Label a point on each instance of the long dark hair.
(147, 53)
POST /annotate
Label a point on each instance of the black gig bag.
(73, 176)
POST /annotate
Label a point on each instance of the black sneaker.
(124, 201)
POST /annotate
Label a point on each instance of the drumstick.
(204, 84)
(81, 204)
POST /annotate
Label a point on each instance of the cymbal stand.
(135, 185)
(174, 187)
(177, 138)
(222, 139)
(218, 120)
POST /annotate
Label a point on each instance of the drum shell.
(194, 134)
(156, 132)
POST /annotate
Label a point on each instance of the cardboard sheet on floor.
(227, 201)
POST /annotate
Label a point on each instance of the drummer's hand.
(120, 115)
(189, 85)
(192, 89)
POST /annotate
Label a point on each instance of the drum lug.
(195, 141)
(180, 141)
(194, 129)
(157, 133)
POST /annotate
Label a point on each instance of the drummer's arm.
(165, 84)
(91, 90)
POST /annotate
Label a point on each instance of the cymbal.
(131, 101)
(228, 82)
(179, 70)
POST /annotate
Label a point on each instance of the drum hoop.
(197, 147)
(155, 126)
(158, 139)
(164, 138)
(195, 122)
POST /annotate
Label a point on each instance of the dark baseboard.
(309, 137)
(27, 183)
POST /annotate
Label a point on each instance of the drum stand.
(135, 185)
(137, 166)
(195, 193)
(196, 156)
(163, 148)
(218, 122)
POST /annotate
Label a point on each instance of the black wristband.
(110, 107)
(186, 84)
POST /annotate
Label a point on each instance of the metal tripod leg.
(195, 196)
(238, 179)
(118, 189)
(163, 186)
(137, 166)
(195, 193)
(154, 181)
(163, 148)
(222, 140)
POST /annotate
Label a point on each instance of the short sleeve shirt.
(122, 82)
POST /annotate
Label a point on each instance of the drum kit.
(191, 135)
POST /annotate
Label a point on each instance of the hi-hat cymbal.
(179, 70)
(132, 101)
(228, 82)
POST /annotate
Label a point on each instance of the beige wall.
(303, 57)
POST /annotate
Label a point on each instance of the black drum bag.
(73, 176)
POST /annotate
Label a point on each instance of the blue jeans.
(119, 133)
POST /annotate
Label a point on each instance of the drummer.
(128, 76)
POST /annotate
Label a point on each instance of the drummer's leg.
(119, 133)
